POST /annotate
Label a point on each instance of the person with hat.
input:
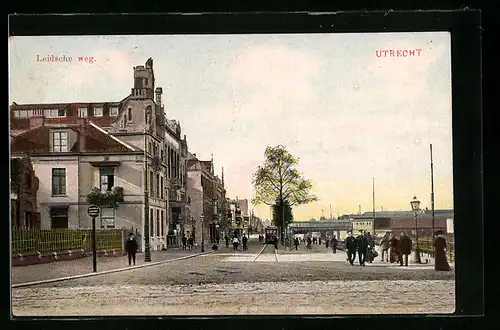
(440, 262)
(405, 248)
(131, 247)
(350, 246)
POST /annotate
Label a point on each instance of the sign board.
(449, 226)
(93, 211)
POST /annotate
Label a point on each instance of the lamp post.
(147, 249)
(415, 206)
(202, 218)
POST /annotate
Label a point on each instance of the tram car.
(270, 232)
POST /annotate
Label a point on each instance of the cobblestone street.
(303, 282)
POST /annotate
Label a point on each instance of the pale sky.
(346, 113)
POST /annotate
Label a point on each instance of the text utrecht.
(398, 52)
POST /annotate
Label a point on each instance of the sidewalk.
(47, 271)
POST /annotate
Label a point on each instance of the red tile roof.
(37, 140)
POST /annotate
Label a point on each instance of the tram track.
(264, 248)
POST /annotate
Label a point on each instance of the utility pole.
(432, 196)
(373, 199)
(147, 251)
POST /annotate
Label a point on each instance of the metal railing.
(43, 241)
(426, 246)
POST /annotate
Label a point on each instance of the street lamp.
(202, 218)
(415, 207)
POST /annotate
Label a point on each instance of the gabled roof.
(37, 140)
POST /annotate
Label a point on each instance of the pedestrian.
(244, 240)
(319, 241)
(236, 242)
(296, 243)
(131, 247)
(384, 246)
(275, 241)
(370, 247)
(327, 242)
(394, 254)
(184, 242)
(350, 246)
(334, 244)
(190, 242)
(405, 248)
(362, 245)
(308, 242)
(440, 262)
(227, 240)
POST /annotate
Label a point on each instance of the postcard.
(206, 174)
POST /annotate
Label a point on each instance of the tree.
(279, 180)
(107, 199)
(278, 212)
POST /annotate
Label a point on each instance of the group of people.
(396, 249)
(363, 245)
(187, 243)
(235, 240)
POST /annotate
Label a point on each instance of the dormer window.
(98, 112)
(60, 141)
(113, 111)
(82, 112)
(129, 114)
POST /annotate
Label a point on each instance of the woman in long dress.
(440, 262)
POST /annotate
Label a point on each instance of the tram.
(270, 232)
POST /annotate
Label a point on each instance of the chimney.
(81, 124)
(37, 121)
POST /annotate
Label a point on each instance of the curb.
(18, 285)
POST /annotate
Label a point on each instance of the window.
(82, 112)
(155, 149)
(162, 226)
(17, 113)
(59, 217)
(54, 113)
(129, 116)
(151, 183)
(107, 175)
(98, 112)
(157, 185)
(107, 217)
(161, 188)
(150, 147)
(23, 114)
(113, 111)
(157, 222)
(58, 182)
(162, 155)
(146, 82)
(151, 222)
(60, 141)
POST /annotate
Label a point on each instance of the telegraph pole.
(432, 197)
(373, 227)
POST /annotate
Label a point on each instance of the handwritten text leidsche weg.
(65, 59)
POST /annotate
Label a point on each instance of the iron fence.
(54, 240)
(426, 246)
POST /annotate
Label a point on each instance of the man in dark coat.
(244, 241)
(131, 247)
(227, 240)
(362, 244)
(184, 242)
(350, 246)
(404, 248)
(275, 241)
(394, 244)
(334, 244)
(296, 243)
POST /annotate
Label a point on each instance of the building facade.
(130, 143)
(23, 196)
